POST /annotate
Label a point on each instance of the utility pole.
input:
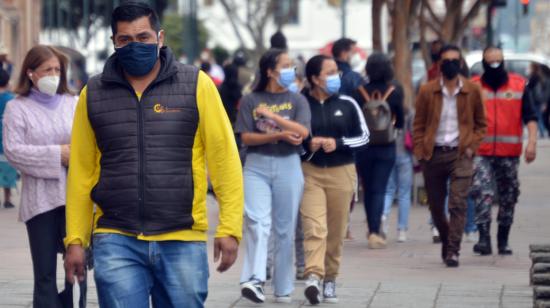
(190, 30)
(344, 7)
(489, 26)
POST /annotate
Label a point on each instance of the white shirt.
(447, 132)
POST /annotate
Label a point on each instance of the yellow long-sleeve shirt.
(214, 147)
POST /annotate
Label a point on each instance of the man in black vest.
(145, 130)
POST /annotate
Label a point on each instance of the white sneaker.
(285, 299)
(385, 226)
(253, 291)
(435, 235)
(470, 237)
(402, 237)
(312, 291)
(329, 292)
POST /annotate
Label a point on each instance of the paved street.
(404, 275)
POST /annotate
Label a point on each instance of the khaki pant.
(324, 211)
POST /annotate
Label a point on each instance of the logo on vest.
(159, 108)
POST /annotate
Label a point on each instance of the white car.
(518, 63)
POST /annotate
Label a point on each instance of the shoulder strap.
(364, 93)
(388, 93)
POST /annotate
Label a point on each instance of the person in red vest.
(507, 107)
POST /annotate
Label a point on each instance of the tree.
(256, 16)
(403, 16)
(174, 32)
(89, 15)
(376, 8)
(450, 27)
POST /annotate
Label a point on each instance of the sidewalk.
(404, 275)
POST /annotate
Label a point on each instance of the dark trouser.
(46, 232)
(446, 167)
(374, 166)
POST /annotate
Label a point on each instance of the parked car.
(518, 63)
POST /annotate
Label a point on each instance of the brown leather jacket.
(471, 122)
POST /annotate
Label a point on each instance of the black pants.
(374, 165)
(46, 232)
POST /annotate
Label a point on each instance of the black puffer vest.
(146, 180)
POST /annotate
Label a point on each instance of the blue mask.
(137, 59)
(287, 76)
(333, 84)
(293, 88)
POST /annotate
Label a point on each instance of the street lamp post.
(344, 7)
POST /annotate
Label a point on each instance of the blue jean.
(374, 166)
(400, 181)
(273, 188)
(470, 216)
(300, 261)
(128, 271)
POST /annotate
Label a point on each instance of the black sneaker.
(313, 289)
(9, 205)
(253, 291)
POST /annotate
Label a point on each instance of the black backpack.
(379, 117)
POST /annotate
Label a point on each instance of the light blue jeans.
(128, 271)
(273, 188)
(400, 181)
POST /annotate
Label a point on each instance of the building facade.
(20, 23)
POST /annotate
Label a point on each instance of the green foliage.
(173, 25)
(71, 14)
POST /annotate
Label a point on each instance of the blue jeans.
(128, 271)
(470, 226)
(374, 166)
(400, 181)
(273, 188)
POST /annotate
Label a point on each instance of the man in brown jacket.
(448, 128)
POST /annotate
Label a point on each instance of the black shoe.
(8, 205)
(451, 260)
(483, 247)
(502, 240)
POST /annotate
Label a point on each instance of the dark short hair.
(278, 40)
(4, 78)
(314, 67)
(342, 45)
(489, 48)
(449, 47)
(130, 11)
(379, 68)
(268, 61)
(206, 67)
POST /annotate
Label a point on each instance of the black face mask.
(450, 68)
(494, 76)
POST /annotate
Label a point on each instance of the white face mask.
(48, 85)
(355, 60)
